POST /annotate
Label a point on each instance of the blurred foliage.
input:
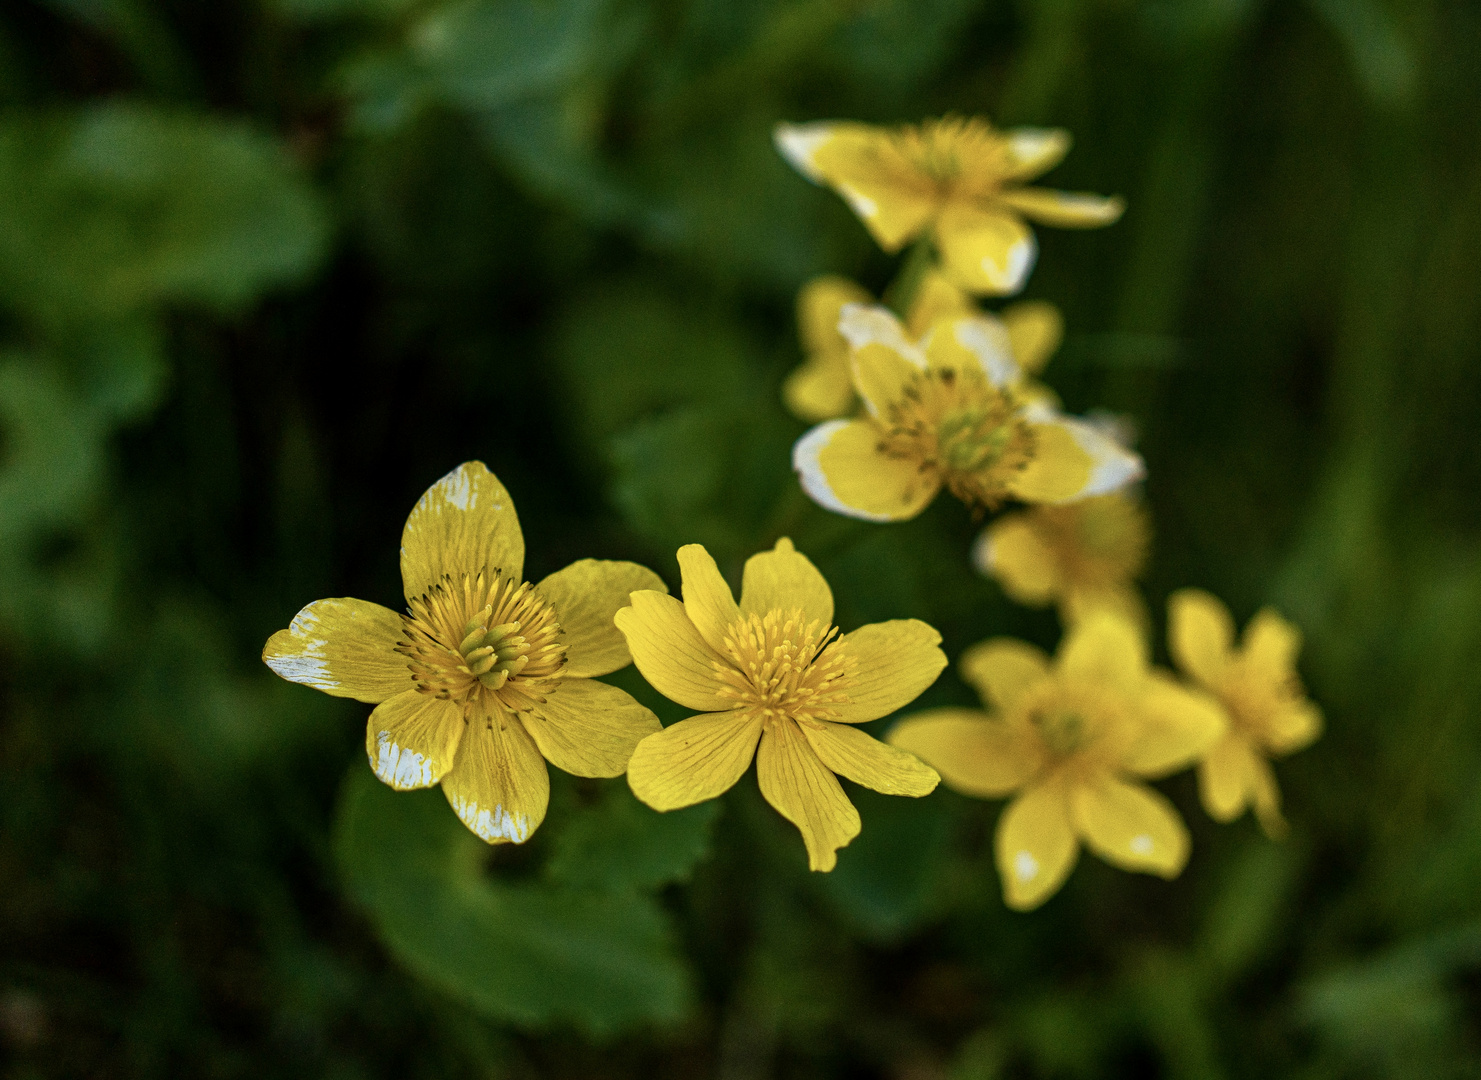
(269, 267)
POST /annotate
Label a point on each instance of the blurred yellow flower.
(957, 180)
(1070, 738)
(822, 387)
(948, 412)
(487, 677)
(1081, 556)
(772, 670)
(1269, 713)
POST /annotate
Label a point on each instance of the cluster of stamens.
(953, 151)
(783, 665)
(475, 639)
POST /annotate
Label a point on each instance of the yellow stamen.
(784, 666)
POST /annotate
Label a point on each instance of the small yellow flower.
(1081, 556)
(1070, 738)
(1269, 712)
(772, 670)
(948, 412)
(822, 388)
(957, 180)
(487, 676)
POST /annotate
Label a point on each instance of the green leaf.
(531, 954)
(621, 844)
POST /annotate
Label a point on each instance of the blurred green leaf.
(620, 844)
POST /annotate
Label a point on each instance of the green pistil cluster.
(493, 653)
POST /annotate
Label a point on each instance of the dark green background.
(267, 270)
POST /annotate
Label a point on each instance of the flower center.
(958, 424)
(1100, 541)
(782, 665)
(954, 153)
(473, 640)
(1063, 730)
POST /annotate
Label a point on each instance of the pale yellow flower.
(486, 677)
(1070, 740)
(956, 180)
(1080, 556)
(949, 411)
(773, 671)
(1269, 714)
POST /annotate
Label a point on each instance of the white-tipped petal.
(811, 476)
(799, 144)
(870, 324)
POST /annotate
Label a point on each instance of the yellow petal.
(670, 652)
(783, 579)
(1130, 826)
(1265, 795)
(890, 194)
(936, 298)
(1035, 845)
(1271, 645)
(1001, 669)
(344, 647)
(1064, 209)
(865, 760)
(883, 360)
(985, 251)
(806, 793)
(708, 600)
(693, 760)
(818, 305)
(1035, 329)
(822, 388)
(586, 596)
(973, 341)
(499, 786)
(1033, 151)
(1073, 460)
(589, 728)
(896, 661)
(1291, 727)
(1012, 552)
(1177, 726)
(842, 468)
(1107, 650)
(412, 739)
(1226, 777)
(463, 524)
(1200, 635)
(976, 754)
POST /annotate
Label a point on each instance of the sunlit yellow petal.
(865, 760)
(842, 467)
(936, 298)
(1034, 151)
(670, 652)
(1001, 669)
(822, 388)
(344, 647)
(464, 523)
(818, 305)
(896, 661)
(806, 793)
(783, 579)
(1265, 796)
(1105, 650)
(1060, 469)
(589, 728)
(412, 739)
(976, 754)
(1176, 727)
(1291, 726)
(1200, 635)
(978, 341)
(499, 786)
(708, 601)
(586, 596)
(985, 251)
(1064, 209)
(1271, 645)
(883, 360)
(1130, 826)
(1012, 552)
(1035, 845)
(1226, 777)
(1035, 329)
(693, 760)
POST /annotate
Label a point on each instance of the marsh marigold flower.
(948, 412)
(1269, 714)
(486, 677)
(773, 670)
(1080, 556)
(957, 180)
(1070, 740)
(822, 387)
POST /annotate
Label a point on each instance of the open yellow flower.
(1070, 738)
(822, 387)
(1269, 714)
(1081, 556)
(772, 670)
(957, 180)
(947, 412)
(486, 677)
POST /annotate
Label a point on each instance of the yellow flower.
(772, 670)
(1082, 555)
(1269, 713)
(822, 388)
(1070, 738)
(955, 179)
(948, 412)
(487, 676)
